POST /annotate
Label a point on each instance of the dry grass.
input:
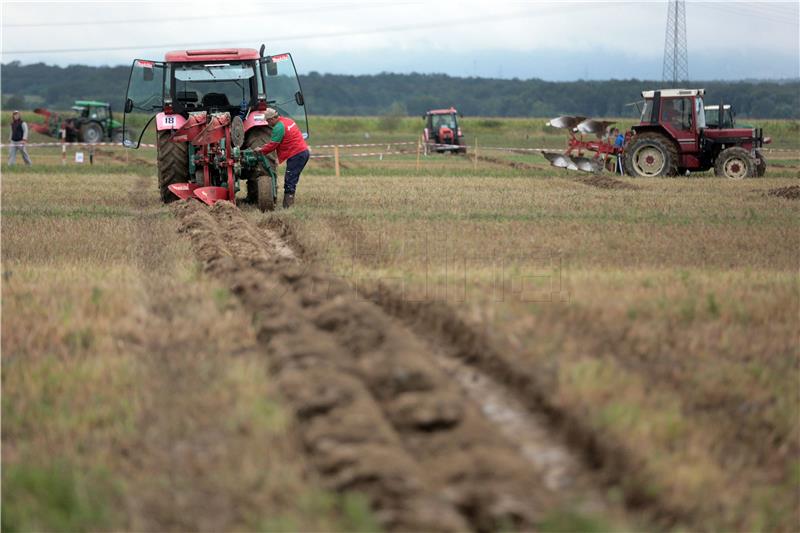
(663, 317)
(133, 395)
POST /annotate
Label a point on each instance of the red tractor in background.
(442, 133)
(671, 138)
(209, 111)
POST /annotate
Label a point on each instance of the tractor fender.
(165, 122)
(254, 118)
(654, 128)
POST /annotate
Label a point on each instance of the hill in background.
(28, 86)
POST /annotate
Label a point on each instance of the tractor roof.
(90, 103)
(219, 54)
(442, 111)
(666, 93)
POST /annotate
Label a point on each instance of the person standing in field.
(288, 140)
(19, 137)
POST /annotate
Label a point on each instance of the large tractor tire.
(761, 165)
(91, 132)
(735, 163)
(173, 165)
(651, 155)
(255, 139)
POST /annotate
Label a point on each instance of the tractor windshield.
(213, 86)
(448, 121)
(283, 89)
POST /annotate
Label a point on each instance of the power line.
(339, 7)
(341, 33)
(751, 11)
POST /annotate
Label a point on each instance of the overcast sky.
(491, 38)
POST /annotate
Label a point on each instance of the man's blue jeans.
(294, 166)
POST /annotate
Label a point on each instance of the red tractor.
(210, 123)
(673, 138)
(442, 132)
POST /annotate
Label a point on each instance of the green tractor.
(93, 122)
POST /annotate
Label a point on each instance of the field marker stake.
(419, 146)
(336, 159)
(63, 147)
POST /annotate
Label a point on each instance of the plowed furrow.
(375, 412)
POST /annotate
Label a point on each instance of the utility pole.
(676, 58)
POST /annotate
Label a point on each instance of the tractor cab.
(442, 132)
(240, 81)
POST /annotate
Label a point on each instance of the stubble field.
(485, 346)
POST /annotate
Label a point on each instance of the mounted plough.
(605, 152)
(216, 161)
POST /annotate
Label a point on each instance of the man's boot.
(288, 200)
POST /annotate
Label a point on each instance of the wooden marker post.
(63, 147)
(336, 160)
(419, 148)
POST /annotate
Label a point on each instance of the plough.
(216, 160)
(605, 152)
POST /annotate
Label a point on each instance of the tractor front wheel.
(91, 132)
(761, 165)
(173, 165)
(651, 155)
(735, 163)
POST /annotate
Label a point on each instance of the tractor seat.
(187, 96)
(215, 100)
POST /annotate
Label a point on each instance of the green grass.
(56, 496)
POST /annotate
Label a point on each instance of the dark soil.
(606, 182)
(792, 192)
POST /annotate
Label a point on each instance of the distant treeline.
(336, 94)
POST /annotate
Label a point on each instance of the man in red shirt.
(288, 140)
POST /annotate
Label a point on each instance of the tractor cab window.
(700, 113)
(98, 113)
(218, 86)
(647, 110)
(677, 112)
(448, 121)
(283, 89)
(145, 93)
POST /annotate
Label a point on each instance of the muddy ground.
(433, 441)
(792, 192)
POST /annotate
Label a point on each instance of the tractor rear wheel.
(91, 132)
(173, 165)
(255, 139)
(735, 163)
(651, 155)
(761, 165)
